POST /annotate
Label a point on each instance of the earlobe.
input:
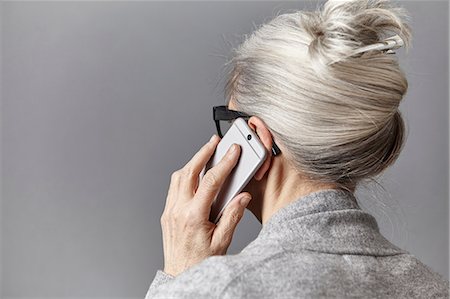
(264, 167)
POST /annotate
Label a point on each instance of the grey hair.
(335, 114)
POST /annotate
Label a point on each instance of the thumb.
(230, 218)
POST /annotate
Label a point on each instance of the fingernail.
(212, 138)
(233, 148)
(245, 200)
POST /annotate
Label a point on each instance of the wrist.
(169, 272)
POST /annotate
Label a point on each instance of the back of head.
(334, 111)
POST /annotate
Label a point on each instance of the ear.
(257, 125)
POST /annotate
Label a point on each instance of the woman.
(321, 87)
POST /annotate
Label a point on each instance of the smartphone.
(253, 154)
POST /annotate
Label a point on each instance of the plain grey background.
(102, 101)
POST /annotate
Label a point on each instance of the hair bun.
(342, 127)
(342, 27)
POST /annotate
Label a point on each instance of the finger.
(193, 168)
(223, 234)
(214, 178)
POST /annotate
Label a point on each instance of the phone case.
(253, 154)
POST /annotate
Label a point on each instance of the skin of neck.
(276, 183)
(279, 186)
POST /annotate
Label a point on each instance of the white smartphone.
(253, 153)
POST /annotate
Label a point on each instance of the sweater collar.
(328, 221)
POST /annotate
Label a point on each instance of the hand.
(188, 235)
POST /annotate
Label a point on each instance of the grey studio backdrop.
(102, 101)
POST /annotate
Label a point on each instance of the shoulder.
(200, 281)
(419, 278)
(216, 276)
(266, 271)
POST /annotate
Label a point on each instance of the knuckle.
(175, 175)
(165, 216)
(191, 217)
(183, 216)
(211, 180)
(189, 171)
(235, 218)
(210, 145)
(228, 237)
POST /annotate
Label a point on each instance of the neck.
(278, 188)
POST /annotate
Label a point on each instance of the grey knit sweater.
(320, 246)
